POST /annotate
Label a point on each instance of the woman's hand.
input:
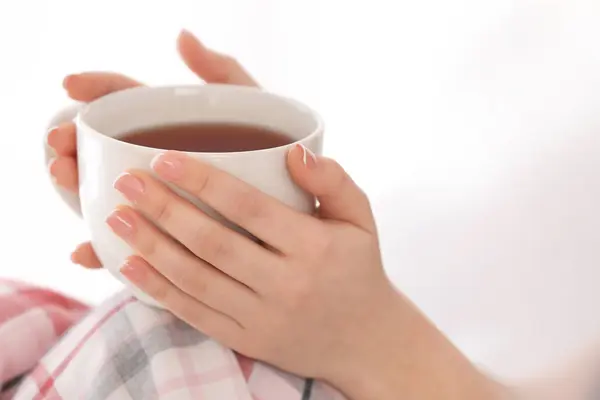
(293, 302)
(207, 64)
(314, 300)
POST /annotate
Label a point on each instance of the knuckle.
(148, 246)
(159, 291)
(198, 236)
(202, 185)
(210, 243)
(163, 211)
(363, 199)
(371, 240)
(337, 176)
(200, 288)
(219, 250)
(343, 179)
(246, 206)
(180, 277)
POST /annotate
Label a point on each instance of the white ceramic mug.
(102, 158)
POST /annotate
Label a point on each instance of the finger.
(199, 315)
(187, 272)
(63, 139)
(85, 256)
(263, 216)
(234, 254)
(339, 197)
(64, 172)
(209, 65)
(90, 86)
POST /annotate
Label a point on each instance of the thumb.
(209, 65)
(339, 197)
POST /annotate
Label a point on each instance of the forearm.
(407, 357)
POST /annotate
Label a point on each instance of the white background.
(472, 124)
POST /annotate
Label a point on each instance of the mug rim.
(191, 88)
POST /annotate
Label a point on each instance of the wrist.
(401, 354)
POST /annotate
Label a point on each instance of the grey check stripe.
(304, 387)
(307, 393)
(129, 363)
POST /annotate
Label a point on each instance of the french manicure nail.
(75, 258)
(168, 166)
(52, 174)
(66, 80)
(131, 186)
(133, 270)
(49, 136)
(50, 167)
(120, 223)
(308, 157)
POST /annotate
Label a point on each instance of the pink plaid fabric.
(124, 350)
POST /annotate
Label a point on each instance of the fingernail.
(67, 79)
(131, 186)
(75, 258)
(120, 223)
(134, 270)
(52, 171)
(168, 165)
(186, 32)
(50, 135)
(51, 167)
(308, 157)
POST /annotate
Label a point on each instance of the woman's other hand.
(207, 64)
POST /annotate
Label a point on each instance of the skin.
(315, 301)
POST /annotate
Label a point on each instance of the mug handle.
(67, 114)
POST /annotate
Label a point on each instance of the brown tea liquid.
(207, 137)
